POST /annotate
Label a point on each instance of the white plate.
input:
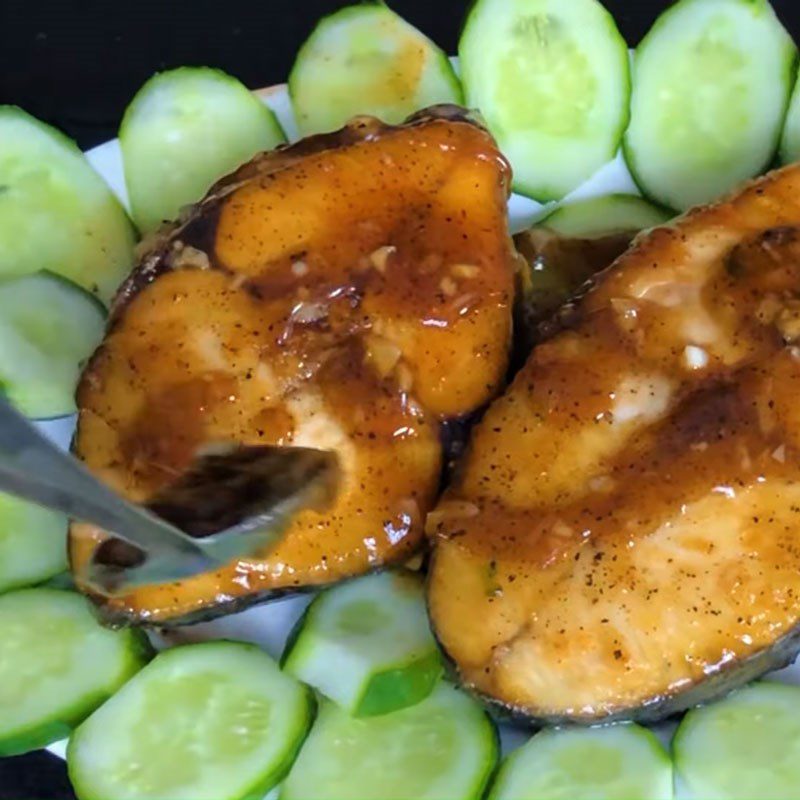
(269, 624)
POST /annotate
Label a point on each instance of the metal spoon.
(238, 499)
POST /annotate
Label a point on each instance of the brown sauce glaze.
(556, 267)
(351, 292)
(630, 508)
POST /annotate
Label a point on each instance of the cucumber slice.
(48, 327)
(366, 644)
(366, 59)
(216, 720)
(57, 664)
(183, 130)
(623, 762)
(744, 746)
(711, 83)
(33, 543)
(790, 140)
(605, 216)
(551, 79)
(56, 212)
(443, 747)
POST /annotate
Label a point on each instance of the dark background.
(77, 65)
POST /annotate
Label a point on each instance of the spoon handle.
(35, 469)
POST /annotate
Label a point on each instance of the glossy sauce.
(353, 294)
(557, 268)
(627, 522)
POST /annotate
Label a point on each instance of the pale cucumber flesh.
(367, 60)
(605, 216)
(56, 212)
(552, 81)
(48, 328)
(57, 664)
(744, 746)
(215, 721)
(711, 82)
(184, 130)
(33, 543)
(622, 762)
(442, 747)
(790, 139)
(367, 645)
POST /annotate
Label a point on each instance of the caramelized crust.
(626, 526)
(351, 292)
